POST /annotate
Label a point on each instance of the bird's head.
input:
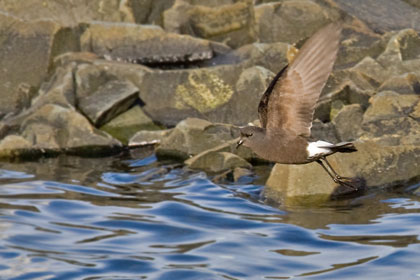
(250, 135)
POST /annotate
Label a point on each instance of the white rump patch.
(318, 149)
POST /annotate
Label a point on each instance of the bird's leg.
(335, 173)
(336, 178)
(328, 171)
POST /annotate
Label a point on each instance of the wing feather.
(290, 102)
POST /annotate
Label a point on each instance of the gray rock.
(401, 47)
(273, 56)
(389, 117)
(249, 88)
(148, 137)
(192, 136)
(26, 53)
(203, 92)
(388, 105)
(376, 163)
(407, 83)
(143, 44)
(108, 101)
(63, 12)
(216, 161)
(14, 146)
(348, 122)
(54, 129)
(59, 89)
(384, 16)
(232, 24)
(359, 42)
(323, 131)
(145, 11)
(125, 125)
(283, 21)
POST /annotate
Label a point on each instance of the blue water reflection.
(127, 218)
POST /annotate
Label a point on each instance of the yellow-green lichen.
(203, 91)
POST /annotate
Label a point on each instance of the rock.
(13, 146)
(145, 11)
(272, 56)
(192, 136)
(250, 87)
(407, 83)
(388, 105)
(323, 131)
(413, 3)
(216, 161)
(284, 21)
(148, 137)
(349, 93)
(388, 118)
(63, 12)
(232, 24)
(376, 163)
(26, 53)
(373, 72)
(202, 92)
(54, 129)
(401, 47)
(358, 43)
(348, 122)
(388, 15)
(90, 77)
(59, 89)
(143, 44)
(125, 125)
(108, 101)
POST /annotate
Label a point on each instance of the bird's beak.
(240, 142)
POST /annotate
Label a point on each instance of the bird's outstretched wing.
(289, 102)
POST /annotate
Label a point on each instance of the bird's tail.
(343, 147)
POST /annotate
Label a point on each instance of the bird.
(286, 108)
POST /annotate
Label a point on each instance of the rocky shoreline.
(95, 79)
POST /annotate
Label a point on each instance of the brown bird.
(287, 107)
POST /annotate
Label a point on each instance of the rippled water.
(126, 218)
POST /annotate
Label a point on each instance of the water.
(126, 218)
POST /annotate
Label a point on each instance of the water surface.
(132, 217)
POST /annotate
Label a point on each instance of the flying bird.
(287, 108)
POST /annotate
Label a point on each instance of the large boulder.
(146, 44)
(64, 12)
(376, 164)
(232, 24)
(289, 21)
(384, 16)
(26, 53)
